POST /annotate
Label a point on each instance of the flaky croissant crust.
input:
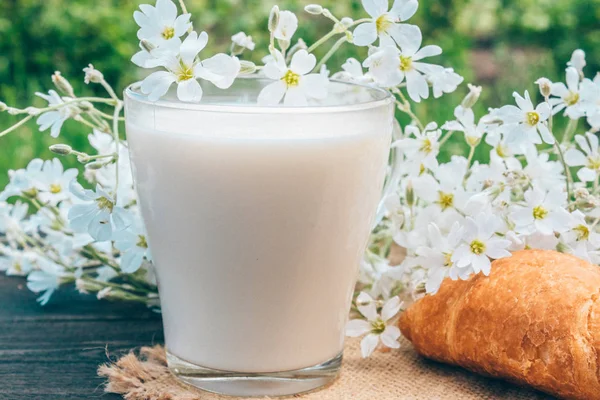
(535, 320)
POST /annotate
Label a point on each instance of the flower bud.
(62, 84)
(273, 19)
(283, 44)
(472, 97)
(247, 67)
(545, 86)
(92, 75)
(314, 9)
(33, 111)
(3, 106)
(300, 45)
(346, 22)
(86, 106)
(94, 165)
(61, 149)
(581, 193)
(104, 293)
(83, 158)
(148, 46)
(410, 195)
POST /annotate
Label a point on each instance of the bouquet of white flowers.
(539, 190)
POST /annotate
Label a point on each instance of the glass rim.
(132, 92)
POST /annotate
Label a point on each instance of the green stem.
(331, 52)
(566, 168)
(319, 42)
(17, 125)
(571, 128)
(445, 138)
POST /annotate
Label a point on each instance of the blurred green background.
(503, 45)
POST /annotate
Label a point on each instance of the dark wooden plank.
(52, 352)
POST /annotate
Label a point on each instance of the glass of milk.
(258, 218)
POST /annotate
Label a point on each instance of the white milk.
(257, 224)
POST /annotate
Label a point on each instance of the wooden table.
(52, 352)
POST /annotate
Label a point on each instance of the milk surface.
(257, 224)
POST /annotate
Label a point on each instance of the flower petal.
(189, 91)
(390, 308)
(303, 62)
(315, 85)
(369, 344)
(404, 9)
(272, 94)
(295, 97)
(390, 336)
(357, 327)
(375, 7)
(365, 34)
(224, 69)
(427, 51)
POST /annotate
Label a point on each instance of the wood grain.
(52, 352)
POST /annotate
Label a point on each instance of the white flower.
(385, 24)
(287, 25)
(589, 159)
(465, 122)
(98, 215)
(523, 125)
(443, 80)
(437, 257)
(544, 212)
(56, 118)
(389, 66)
(380, 275)
(423, 148)
(243, 41)
(542, 172)
(353, 72)
(590, 100)
(161, 24)
(92, 75)
(296, 83)
(581, 238)
(54, 182)
(23, 182)
(376, 326)
(577, 61)
(133, 245)
(184, 68)
(14, 222)
(16, 262)
(46, 280)
(480, 243)
(535, 240)
(568, 97)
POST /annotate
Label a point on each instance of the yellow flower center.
(142, 242)
(185, 72)
(377, 326)
(405, 63)
(533, 118)
(383, 24)
(477, 247)
(55, 188)
(426, 146)
(539, 212)
(291, 78)
(582, 231)
(572, 98)
(501, 151)
(593, 163)
(105, 204)
(445, 200)
(448, 259)
(168, 33)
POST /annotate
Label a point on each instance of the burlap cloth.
(395, 375)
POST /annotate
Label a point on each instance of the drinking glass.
(258, 218)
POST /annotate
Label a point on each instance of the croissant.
(534, 321)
